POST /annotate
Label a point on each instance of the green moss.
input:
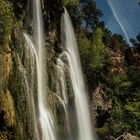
(6, 18)
(70, 2)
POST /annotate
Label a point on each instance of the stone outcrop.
(129, 136)
(117, 60)
(7, 108)
(101, 106)
(125, 136)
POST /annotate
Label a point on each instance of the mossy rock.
(5, 136)
(102, 131)
(7, 108)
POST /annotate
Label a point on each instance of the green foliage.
(70, 2)
(136, 42)
(134, 74)
(133, 108)
(73, 7)
(98, 50)
(126, 102)
(92, 53)
(6, 16)
(107, 37)
(90, 13)
(102, 131)
(139, 2)
(84, 14)
(120, 81)
(118, 122)
(118, 42)
(85, 50)
(86, 53)
(114, 41)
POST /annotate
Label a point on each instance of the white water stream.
(80, 93)
(45, 116)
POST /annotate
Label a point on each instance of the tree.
(91, 15)
(136, 42)
(85, 15)
(98, 50)
(93, 56)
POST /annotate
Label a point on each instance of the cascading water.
(32, 55)
(62, 79)
(62, 90)
(81, 102)
(48, 122)
(45, 117)
(46, 129)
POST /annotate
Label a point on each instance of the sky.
(121, 16)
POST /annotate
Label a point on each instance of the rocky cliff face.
(14, 92)
(16, 111)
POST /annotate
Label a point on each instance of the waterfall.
(32, 55)
(61, 90)
(45, 123)
(45, 116)
(80, 93)
(62, 80)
